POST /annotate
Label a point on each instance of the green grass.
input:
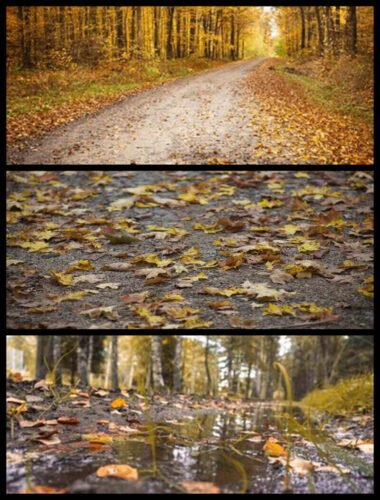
(45, 90)
(331, 96)
(353, 395)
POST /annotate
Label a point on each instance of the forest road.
(201, 119)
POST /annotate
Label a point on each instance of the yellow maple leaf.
(273, 309)
(80, 265)
(291, 229)
(309, 246)
(173, 297)
(62, 278)
(197, 323)
(34, 246)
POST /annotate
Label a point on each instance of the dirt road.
(204, 118)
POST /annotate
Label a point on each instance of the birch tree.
(82, 359)
(158, 380)
(177, 372)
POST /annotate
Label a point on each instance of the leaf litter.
(285, 249)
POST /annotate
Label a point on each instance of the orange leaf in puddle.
(273, 449)
(68, 420)
(120, 471)
(200, 487)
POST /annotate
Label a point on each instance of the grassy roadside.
(332, 96)
(349, 397)
(41, 99)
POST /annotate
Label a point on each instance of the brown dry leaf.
(135, 298)
(85, 403)
(120, 471)
(280, 277)
(221, 304)
(41, 384)
(230, 225)
(101, 393)
(300, 466)
(200, 487)
(15, 401)
(41, 490)
(50, 440)
(88, 278)
(318, 467)
(24, 424)
(237, 322)
(99, 312)
(116, 266)
(68, 420)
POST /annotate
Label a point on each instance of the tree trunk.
(207, 366)
(351, 31)
(158, 380)
(320, 31)
(177, 373)
(82, 359)
(57, 353)
(41, 368)
(90, 356)
(303, 27)
(115, 363)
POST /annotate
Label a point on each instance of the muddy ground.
(201, 119)
(68, 213)
(195, 440)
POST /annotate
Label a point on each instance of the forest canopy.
(58, 36)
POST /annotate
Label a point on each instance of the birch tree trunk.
(177, 373)
(90, 356)
(158, 380)
(82, 360)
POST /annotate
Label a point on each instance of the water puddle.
(221, 448)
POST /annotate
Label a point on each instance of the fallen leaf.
(273, 449)
(68, 420)
(118, 403)
(120, 471)
(62, 278)
(42, 490)
(200, 487)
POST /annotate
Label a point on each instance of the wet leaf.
(43, 490)
(200, 487)
(120, 471)
(274, 449)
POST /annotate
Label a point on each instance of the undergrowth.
(353, 395)
(44, 90)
